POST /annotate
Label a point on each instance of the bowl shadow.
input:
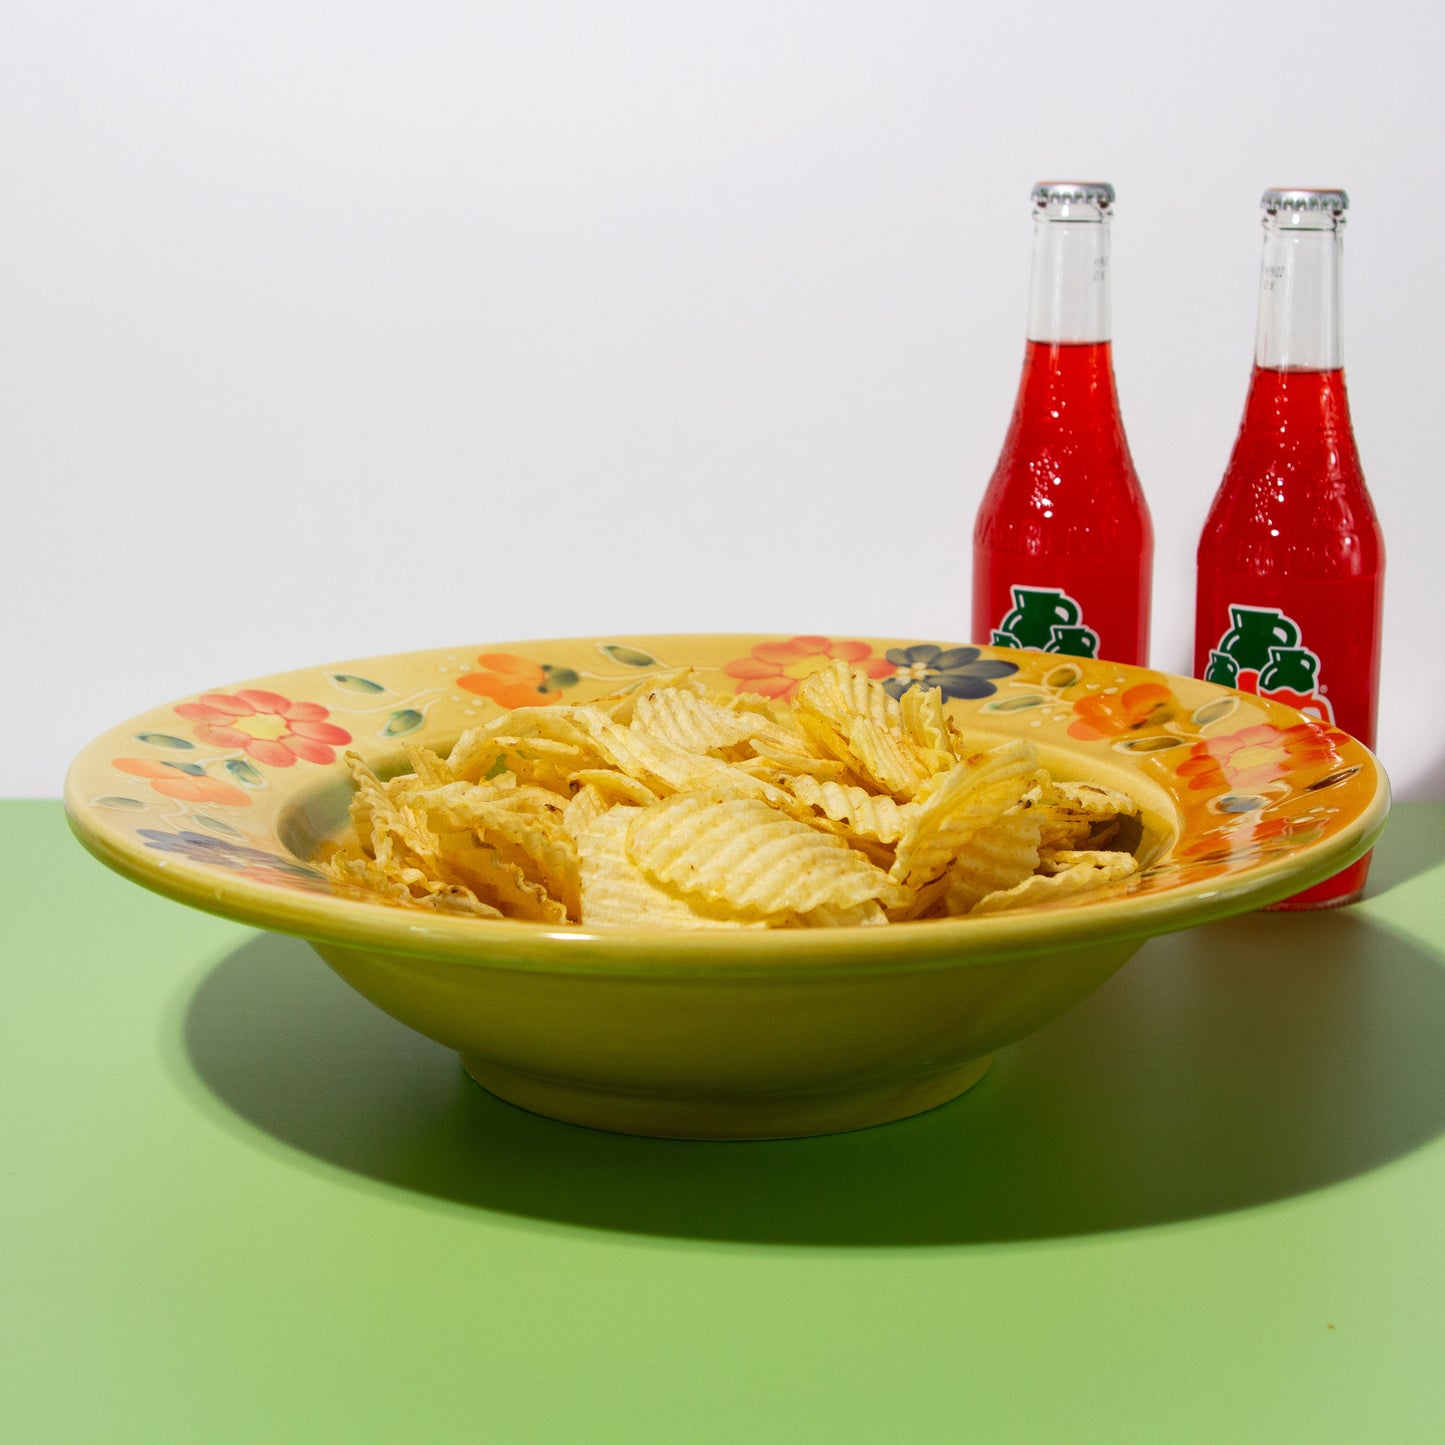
(1225, 1067)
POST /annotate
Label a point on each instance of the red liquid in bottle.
(1291, 569)
(1063, 546)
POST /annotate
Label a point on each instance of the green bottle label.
(1046, 619)
(1262, 651)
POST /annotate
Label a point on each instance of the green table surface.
(240, 1204)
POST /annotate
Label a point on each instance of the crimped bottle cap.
(1281, 198)
(1093, 193)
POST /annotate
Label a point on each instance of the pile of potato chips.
(666, 806)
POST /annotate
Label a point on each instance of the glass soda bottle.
(1063, 546)
(1291, 561)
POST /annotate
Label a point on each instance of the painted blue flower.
(961, 672)
(218, 853)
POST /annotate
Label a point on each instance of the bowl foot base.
(725, 1116)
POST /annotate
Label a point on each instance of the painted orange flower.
(512, 681)
(266, 726)
(1258, 755)
(775, 669)
(188, 787)
(1111, 715)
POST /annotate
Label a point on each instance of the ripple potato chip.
(620, 894)
(665, 806)
(1001, 855)
(756, 861)
(865, 814)
(1089, 872)
(969, 796)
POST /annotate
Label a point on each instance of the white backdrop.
(336, 329)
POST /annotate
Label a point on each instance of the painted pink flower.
(775, 669)
(1258, 755)
(266, 726)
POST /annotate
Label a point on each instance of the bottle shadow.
(1225, 1067)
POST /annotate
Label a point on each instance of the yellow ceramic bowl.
(221, 800)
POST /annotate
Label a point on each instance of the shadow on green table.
(1225, 1067)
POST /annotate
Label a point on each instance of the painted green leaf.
(627, 656)
(194, 769)
(1333, 781)
(1063, 676)
(352, 683)
(1148, 745)
(164, 740)
(405, 720)
(125, 805)
(244, 773)
(1213, 712)
(216, 826)
(1014, 704)
(560, 676)
(1240, 803)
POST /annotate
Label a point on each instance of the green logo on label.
(1262, 652)
(1048, 620)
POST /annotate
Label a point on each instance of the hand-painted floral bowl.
(222, 800)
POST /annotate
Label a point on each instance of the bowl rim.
(580, 948)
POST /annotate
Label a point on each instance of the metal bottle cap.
(1279, 198)
(1092, 193)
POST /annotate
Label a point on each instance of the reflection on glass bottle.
(1291, 560)
(1063, 546)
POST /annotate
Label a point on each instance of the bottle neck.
(1069, 290)
(1303, 413)
(1299, 295)
(1067, 385)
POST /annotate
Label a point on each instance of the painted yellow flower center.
(262, 726)
(807, 666)
(1248, 759)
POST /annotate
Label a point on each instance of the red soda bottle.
(1291, 561)
(1063, 547)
